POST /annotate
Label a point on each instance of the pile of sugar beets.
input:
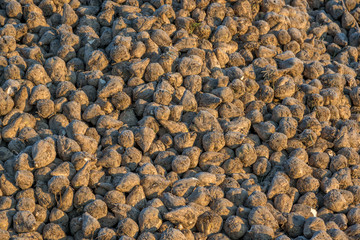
(179, 119)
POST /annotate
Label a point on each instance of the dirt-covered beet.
(179, 119)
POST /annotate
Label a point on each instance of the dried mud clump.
(179, 120)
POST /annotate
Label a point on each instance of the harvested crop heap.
(179, 120)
